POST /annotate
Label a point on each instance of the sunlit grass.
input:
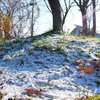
(97, 97)
(83, 37)
(2, 41)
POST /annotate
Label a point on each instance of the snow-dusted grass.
(47, 66)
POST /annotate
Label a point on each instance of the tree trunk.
(56, 13)
(1, 26)
(84, 22)
(94, 18)
(83, 5)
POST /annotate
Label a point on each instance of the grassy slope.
(44, 42)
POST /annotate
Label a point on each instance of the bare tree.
(20, 13)
(34, 16)
(68, 4)
(83, 5)
(59, 12)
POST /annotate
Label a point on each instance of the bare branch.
(47, 6)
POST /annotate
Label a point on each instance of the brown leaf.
(79, 61)
(81, 68)
(31, 91)
(88, 70)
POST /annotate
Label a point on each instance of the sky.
(44, 22)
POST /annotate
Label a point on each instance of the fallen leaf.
(86, 61)
(31, 91)
(77, 61)
(88, 70)
(81, 67)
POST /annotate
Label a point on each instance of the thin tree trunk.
(94, 18)
(84, 22)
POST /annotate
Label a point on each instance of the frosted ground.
(47, 65)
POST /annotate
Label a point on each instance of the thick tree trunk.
(56, 13)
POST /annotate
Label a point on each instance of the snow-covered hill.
(46, 65)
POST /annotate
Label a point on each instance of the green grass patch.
(97, 54)
(97, 97)
(83, 37)
(42, 43)
(2, 41)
